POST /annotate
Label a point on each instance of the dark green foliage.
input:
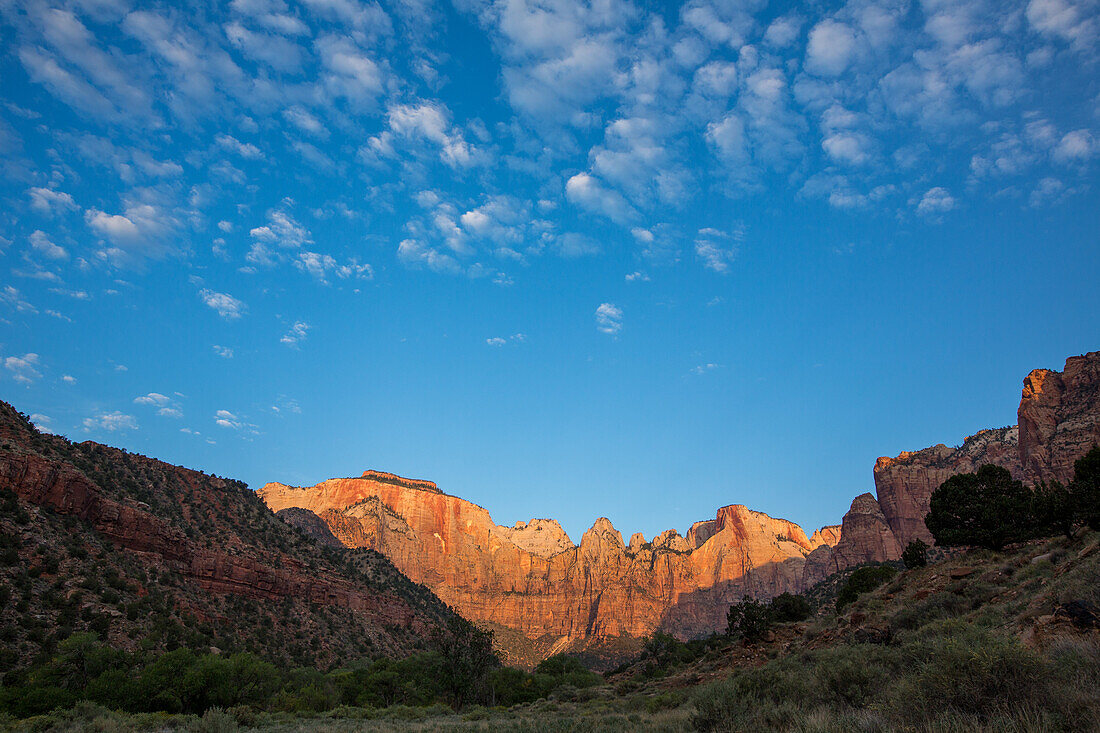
(949, 675)
(988, 509)
(863, 580)
(1053, 509)
(184, 681)
(468, 658)
(1085, 488)
(748, 619)
(787, 607)
(915, 554)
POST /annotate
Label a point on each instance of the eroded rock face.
(864, 536)
(905, 484)
(531, 578)
(1059, 420)
(130, 525)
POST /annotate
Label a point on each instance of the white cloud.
(297, 333)
(223, 351)
(728, 138)
(282, 232)
(609, 318)
(637, 276)
(847, 147)
(142, 231)
(48, 201)
(716, 249)
(41, 243)
(305, 121)
(831, 48)
(110, 422)
(23, 369)
(226, 419)
(42, 423)
(783, 31)
(415, 253)
(1063, 19)
(430, 121)
(1074, 146)
(704, 368)
(11, 296)
(68, 379)
(587, 192)
(153, 398)
(245, 150)
(496, 341)
(323, 267)
(935, 201)
(225, 304)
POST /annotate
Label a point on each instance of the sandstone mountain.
(144, 552)
(531, 579)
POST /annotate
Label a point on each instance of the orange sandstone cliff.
(530, 578)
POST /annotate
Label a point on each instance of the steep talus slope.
(200, 544)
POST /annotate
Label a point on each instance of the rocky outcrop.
(864, 536)
(67, 491)
(311, 525)
(1059, 420)
(531, 579)
(905, 484)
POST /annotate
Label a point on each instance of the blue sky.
(565, 259)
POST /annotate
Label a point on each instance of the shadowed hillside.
(154, 556)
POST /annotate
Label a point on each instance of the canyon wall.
(1059, 420)
(532, 579)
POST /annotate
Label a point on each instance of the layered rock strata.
(532, 578)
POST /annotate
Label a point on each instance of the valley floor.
(983, 641)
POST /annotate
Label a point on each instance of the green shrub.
(863, 580)
(987, 509)
(1085, 488)
(748, 619)
(789, 607)
(915, 554)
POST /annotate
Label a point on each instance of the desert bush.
(787, 607)
(987, 509)
(1085, 488)
(863, 580)
(915, 554)
(937, 606)
(748, 619)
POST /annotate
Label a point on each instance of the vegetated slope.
(977, 641)
(156, 556)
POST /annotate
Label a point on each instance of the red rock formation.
(1059, 420)
(864, 536)
(905, 484)
(530, 578)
